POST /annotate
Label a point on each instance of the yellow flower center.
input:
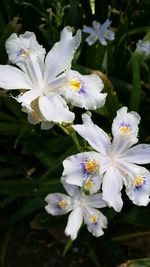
(88, 185)
(91, 166)
(62, 204)
(75, 84)
(25, 53)
(138, 181)
(125, 130)
(93, 219)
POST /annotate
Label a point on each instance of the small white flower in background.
(83, 209)
(114, 163)
(143, 46)
(47, 83)
(99, 32)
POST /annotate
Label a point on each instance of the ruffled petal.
(81, 167)
(75, 220)
(58, 204)
(60, 56)
(112, 185)
(13, 78)
(95, 136)
(139, 154)
(126, 123)
(138, 189)
(95, 221)
(53, 108)
(20, 48)
(83, 90)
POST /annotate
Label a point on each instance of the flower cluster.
(93, 179)
(112, 165)
(47, 83)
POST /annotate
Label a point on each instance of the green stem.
(124, 237)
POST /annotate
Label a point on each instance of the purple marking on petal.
(82, 90)
(125, 124)
(19, 53)
(89, 167)
(140, 186)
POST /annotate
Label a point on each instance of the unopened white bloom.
(99, 32)
(47, 83)
(83, 208)
(115, 163)
(143, 46)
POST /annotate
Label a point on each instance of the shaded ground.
(39, 248)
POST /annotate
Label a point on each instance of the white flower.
(143, 46)
(114, 162)
(99, 32)
(83, 208)
(47, 82)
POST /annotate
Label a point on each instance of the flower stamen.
(93, 219)
(62, 204)
(25, 53)
(88, 185)
(90, 166)
(138, 181)
(125, 128)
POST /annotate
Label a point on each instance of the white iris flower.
(115, 163)
(83, 208)
(143, 46)
(47, 83)
(99, 32)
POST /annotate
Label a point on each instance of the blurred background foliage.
(31, 159)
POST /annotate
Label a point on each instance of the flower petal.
(95, 136)
(58, 204)
(95, 221)
(75, 220)
(83, 90)
(13, 78)
(53, 108)
(95, 201)
(91, 39)
(27, 98)
(139, 154)
(126, 123)
(88, 29)
(138, 190)
(60, 56)
(120, 145)
(112, 185)
(19, 48)
(72, 190)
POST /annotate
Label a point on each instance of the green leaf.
(67, 246)
(28, 188)
(30, 207)
(136, 85)
(137, 263)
